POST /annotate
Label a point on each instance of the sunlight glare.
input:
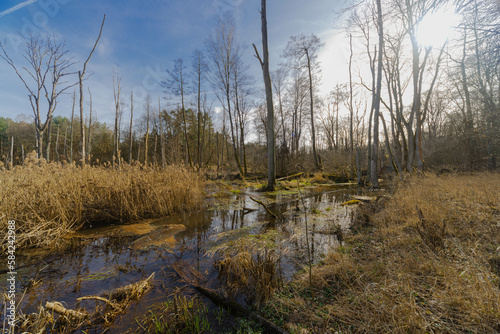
(436, 27)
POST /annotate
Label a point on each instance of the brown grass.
(49, 200)
(391, 277)
(247, 263)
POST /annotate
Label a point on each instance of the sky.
(142, 38)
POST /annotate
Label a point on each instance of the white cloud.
(17, 7)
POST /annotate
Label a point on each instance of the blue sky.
(141, 38)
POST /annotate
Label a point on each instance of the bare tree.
(89, 146)
(264, 63)
(72, 127)
(302, 53)
(147, 107)
(223, 52)
(162, 137)
(116, 94)
(199, 70)
(279, 81)
(44, 76)
(130, 130)
(176, 85)
(377, 97)
(80, 81)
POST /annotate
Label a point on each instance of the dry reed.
(247, 263)
(49, 200)
(391, 277)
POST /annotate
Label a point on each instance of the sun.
(436, 27)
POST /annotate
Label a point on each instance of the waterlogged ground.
(105, 258)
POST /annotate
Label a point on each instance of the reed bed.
(428, 261)
(47, 201)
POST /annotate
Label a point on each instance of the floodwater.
(105, 258)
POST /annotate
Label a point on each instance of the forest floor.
(426, 260)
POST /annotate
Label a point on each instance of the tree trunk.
(271, 145)
(130, 129)
(65, 142)
(351, 108)
(89, 147)
(12, 151)
(82, 123)
(162, 142)
(49, 139)
(57, 144)
(313, 132)
(374, 176)
(71, 132)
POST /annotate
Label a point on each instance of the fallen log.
(290, 176)
(234, 306)
(265, 206)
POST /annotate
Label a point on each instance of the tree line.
(415, 106)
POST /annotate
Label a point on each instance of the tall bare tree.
(223, 52)
(302, 53)
(147, 107)
(89, 146)
(199, 72)
(377, 96)
(81, 75)
(176, 85)
(131, 140)
(118, 109)
(44, 78)
(264, 63)
(72, 127)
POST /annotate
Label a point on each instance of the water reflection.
(100, 263)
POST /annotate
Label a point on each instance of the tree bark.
(72, 126)
(130, 129)
(374, 176)
(82, 121)
(271, 145)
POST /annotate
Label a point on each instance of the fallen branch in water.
(265, 206)
(59, 309)
(102, 299)
(247, 210)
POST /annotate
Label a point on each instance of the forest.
(251, 201)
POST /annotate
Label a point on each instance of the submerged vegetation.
(48, 201)
(401, 271)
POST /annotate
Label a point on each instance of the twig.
(102, 299)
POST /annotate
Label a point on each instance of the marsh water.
(105, 258)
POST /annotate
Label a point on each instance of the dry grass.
(247, 263)
(49, 200)
(56, 318)
(319, 178)
(394, 277)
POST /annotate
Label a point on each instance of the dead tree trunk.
(271, 145)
